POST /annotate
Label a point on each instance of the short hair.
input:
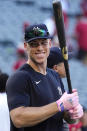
(3, 80)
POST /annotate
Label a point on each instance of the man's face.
(38, 50)
(60, 69)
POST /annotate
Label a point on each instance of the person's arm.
(30, 116)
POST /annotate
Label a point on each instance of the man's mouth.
(41, 54)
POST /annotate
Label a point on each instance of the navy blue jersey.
(29, 88)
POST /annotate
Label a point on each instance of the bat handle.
(68, 76)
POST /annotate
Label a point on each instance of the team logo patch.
(59, 90)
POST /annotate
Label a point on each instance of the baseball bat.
(59, 21)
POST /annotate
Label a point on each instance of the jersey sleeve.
(17, 88)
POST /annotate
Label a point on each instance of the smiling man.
(33, 91)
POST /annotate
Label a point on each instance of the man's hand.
(67, 118)
(68, 101)
(73, 114)
(76, 112)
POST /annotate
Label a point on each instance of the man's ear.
(25, 45)
(50, 44)
(55, 67)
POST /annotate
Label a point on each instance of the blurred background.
(16, 15)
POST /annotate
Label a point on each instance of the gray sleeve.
(65, 126)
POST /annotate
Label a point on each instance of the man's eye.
(44, 43)
(33, 44)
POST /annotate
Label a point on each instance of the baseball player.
(36, 96)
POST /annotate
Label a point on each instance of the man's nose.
(40, 44)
